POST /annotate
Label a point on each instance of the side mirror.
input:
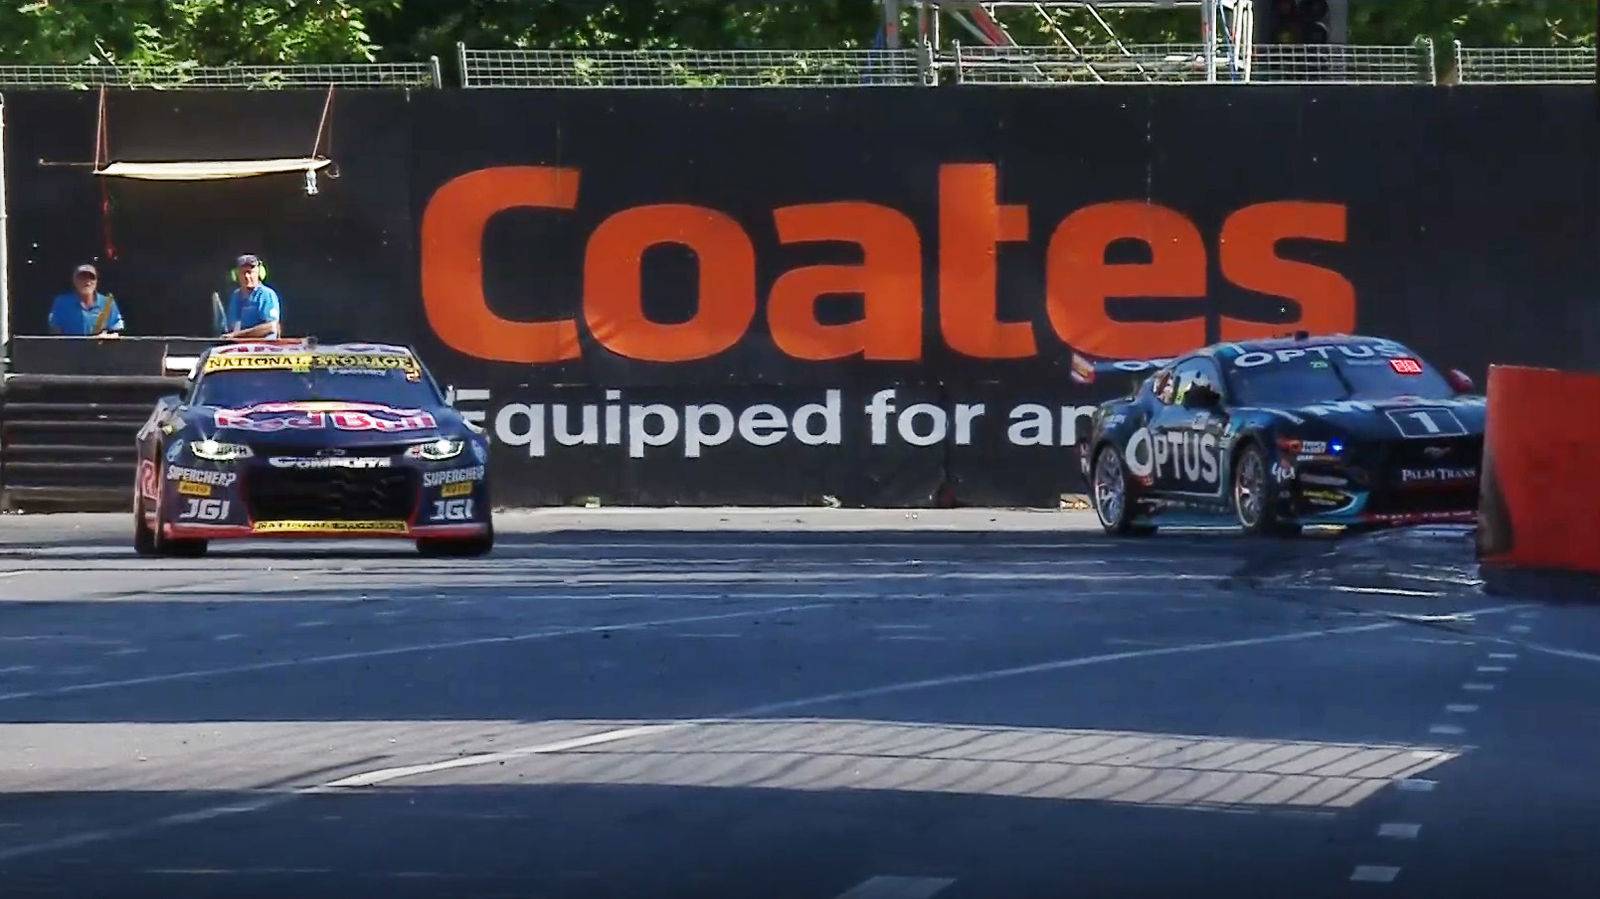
(1459, 380)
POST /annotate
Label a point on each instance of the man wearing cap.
(84, 311)
(253, 311)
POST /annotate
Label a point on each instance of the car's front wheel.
(1254, 502)
(1111, 494)
(148, 541)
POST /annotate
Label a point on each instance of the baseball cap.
(246, 260)
(85, 269)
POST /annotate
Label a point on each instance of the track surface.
(874, 705)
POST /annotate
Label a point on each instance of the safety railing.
(1524, 65)
(1187, 64)
(84, 77)
(688, 68)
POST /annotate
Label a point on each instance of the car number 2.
(452, 509)
(206, 510)
(1427, 422)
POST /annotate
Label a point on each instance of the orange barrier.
(1539, 500)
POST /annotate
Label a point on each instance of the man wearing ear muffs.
(253, 311)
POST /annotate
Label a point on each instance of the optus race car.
(288, 439)
(1282, 433)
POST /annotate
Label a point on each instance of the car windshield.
(359, 379)
(1327, 374)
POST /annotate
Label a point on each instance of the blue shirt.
(68, 317)
(260, 306)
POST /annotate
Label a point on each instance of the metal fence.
(1187, 63)
(689, 68)
(1524, 65)
(1332, 64)
(84, 77)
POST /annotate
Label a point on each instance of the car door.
(1186, 433)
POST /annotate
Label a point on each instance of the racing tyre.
(456, 549)
(1111, 494)
(1254, 498)
(147, 541)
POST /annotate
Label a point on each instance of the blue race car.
(290, 439)
(1282, 433)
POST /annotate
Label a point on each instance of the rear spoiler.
(1089, 370)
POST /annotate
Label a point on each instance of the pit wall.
(868, 297)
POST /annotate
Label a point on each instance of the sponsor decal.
(148, 484)
(1282, 473)
(1187, 456)
(190, 488)
(1324, 480)
(451, 510)
(975, 219)
(1326, 497)
(175, 450)
(1338, 407)
(462, 489)
(331, 462)
(453, 476)
(302, 361)
(1406, 366)
(1437, 475)
(394, 526)
(201, 476)
(273, 417)
(1140, 455)
(204, 510)
(1324, 351)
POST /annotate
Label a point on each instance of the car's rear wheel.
(1254, 499)
(1111, 494)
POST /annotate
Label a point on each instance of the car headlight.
(220, 452)
(438, 450)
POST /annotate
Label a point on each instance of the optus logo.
(972, 227)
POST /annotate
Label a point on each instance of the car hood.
(1389, 418)
(314, 424)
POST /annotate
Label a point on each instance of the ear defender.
(233, 273)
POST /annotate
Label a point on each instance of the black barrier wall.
(769, 296)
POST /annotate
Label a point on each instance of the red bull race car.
(279, 439)
(1277, 434)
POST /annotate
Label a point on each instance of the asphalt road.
(811, 704)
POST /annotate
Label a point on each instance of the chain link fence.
(1524, 65)
(85, 77)
(689, 68)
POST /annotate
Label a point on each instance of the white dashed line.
(1478, 688)
(227, 636)
(1519, 629)
(1417, 785)
(1461, 707)
(1449, 729)
(1503, 655)
(1399, 831)
(16, 669)
(1375, 873)
(711, 636)
(1491, 669)
(320, 622)
(1529, 614)
(884, 887)
(125, 651)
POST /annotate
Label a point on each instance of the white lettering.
(201, 476)
(1031, 426)
(330, 462)
(452, 476)
(878, 410)
(590, 434)
(765, 415)
(832, 429)
(532, 437)
(695, 436)
(640, 436)
(966, 413)
(908, 428)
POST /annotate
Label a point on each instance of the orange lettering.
(613, 296)
(1327, 302)
(889, 281)
(971, 225)
(1078, 280)
(452, 263)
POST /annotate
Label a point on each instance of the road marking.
(612, 736)
(1503, 655)
(1534, 613)
(1519, 629)
(886, 887)
(711, 636)
(923, 638)
(1491, 669)
(1481, 688)
(1417, 785)
(1374, 873)
(126, 651)
(396, 650)
(382, 775)
(1386, 591)
(227, 636)
(320, 622)
(1399, 831)
(1462, 707)
(1567, 653)
(16, 669)
(1450, 729)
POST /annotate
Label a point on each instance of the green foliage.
(215, 32)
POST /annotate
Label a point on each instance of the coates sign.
(974, 227)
